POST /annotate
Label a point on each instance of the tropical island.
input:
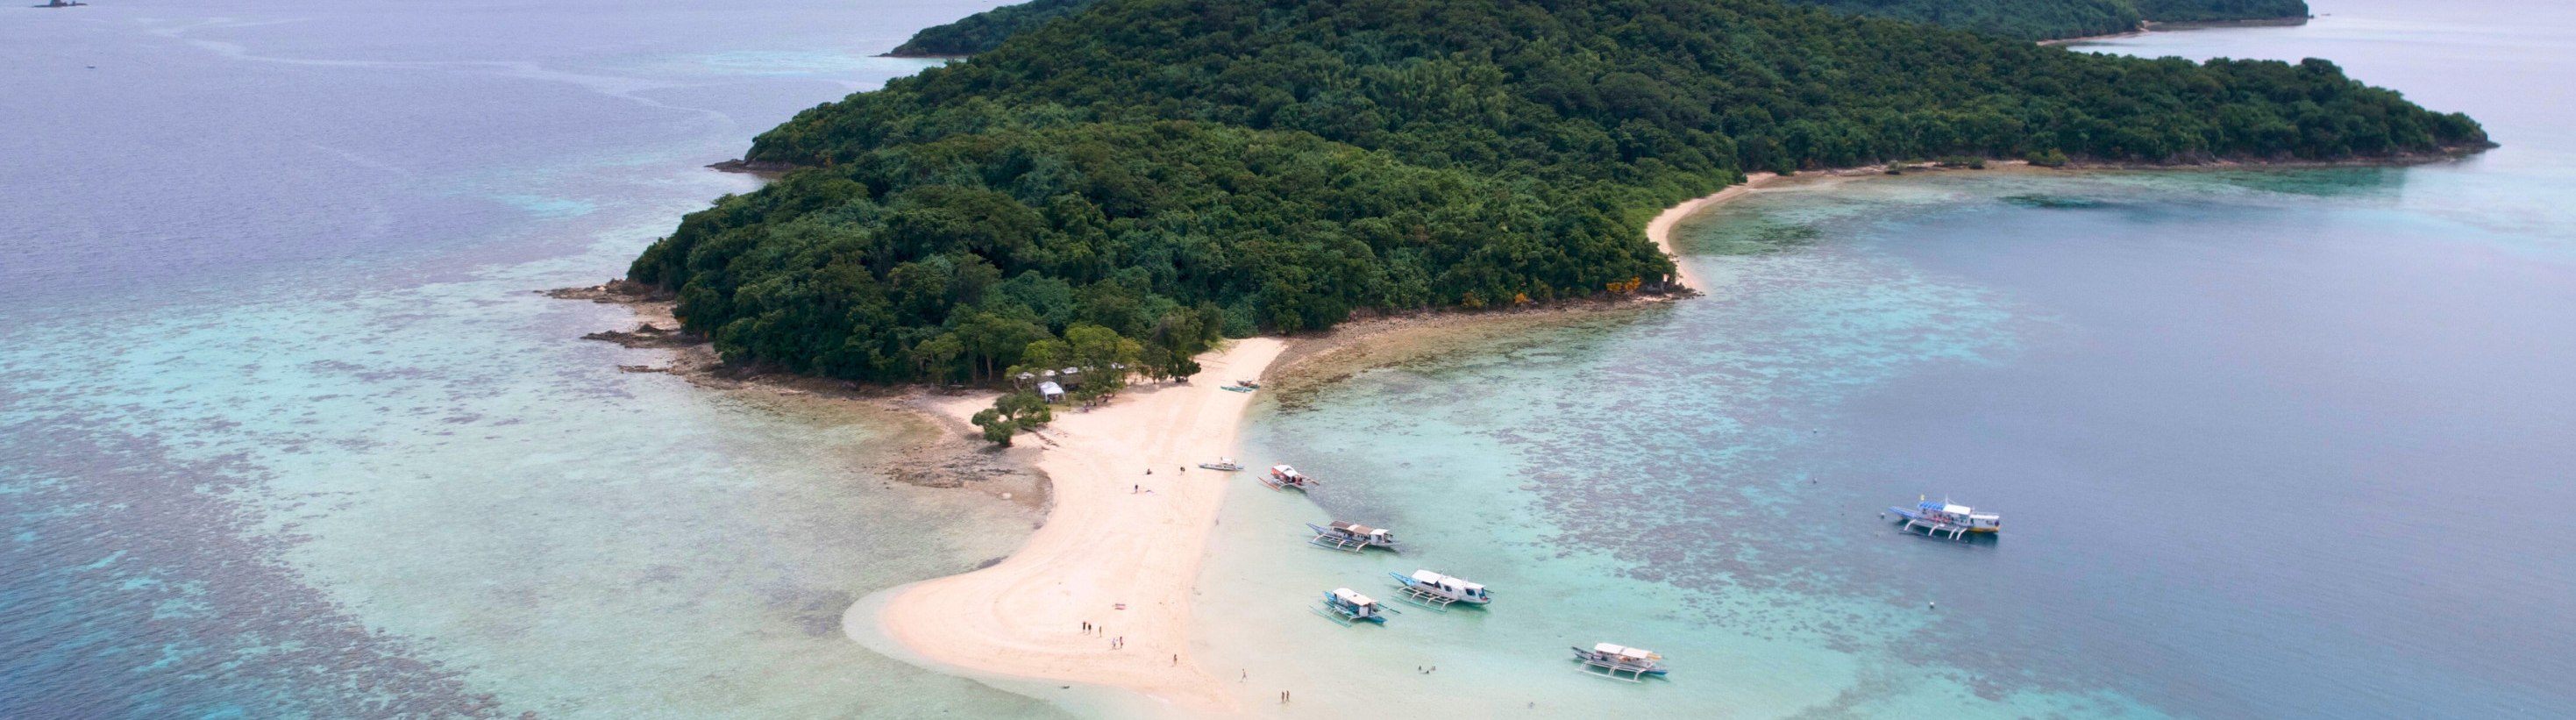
(2022, 19)
(1120, 189)
(1173, 171)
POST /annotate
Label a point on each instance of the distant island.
(1162, 172)
(2022, 19)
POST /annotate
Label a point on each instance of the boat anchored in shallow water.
(1346, 606)
(1283, 477)
(1940, 519)
(1436, 591)
(1620, 662)
(1351, 536)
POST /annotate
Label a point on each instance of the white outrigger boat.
(1223, 463)
(1436, 591)
(1351, 537)
(1283, 477)
(1617, 661)
(1346, 606)
(1943, 518)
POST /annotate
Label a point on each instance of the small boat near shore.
(1351, 537)
(1237, 388)
(1945, 519)
(1225, 464)
(1620, 662)
(1345, 606)
(1283, 477)
(1247, 384)
(1437, 592)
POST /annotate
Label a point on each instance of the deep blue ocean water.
(2269, 444)
(284, 433)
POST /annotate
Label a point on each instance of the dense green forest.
(1167, 170)
(2024, 19)
(981, 31)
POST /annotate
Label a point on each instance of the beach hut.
(1051, 391)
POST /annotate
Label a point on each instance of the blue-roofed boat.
(1948, 519)
(1342, 605)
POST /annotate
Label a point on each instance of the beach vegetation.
(1011, 414)
(1161, 173)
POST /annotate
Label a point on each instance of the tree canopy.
(1235, 166)
(2023, 19)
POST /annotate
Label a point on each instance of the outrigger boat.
(1283, 477)
(1225, 464)
(1248, 384)
(1344, 606)
(1942, 518)
(1351, 537)
(1436, 591)
(1618, 660)
(1236, 388)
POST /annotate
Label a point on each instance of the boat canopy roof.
(1444, 580)
(1348, 596)
(1283, 469)
(1957, 509)
(1356, 528)
(1625, 651)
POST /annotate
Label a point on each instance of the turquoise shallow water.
(2268, 444)
(284, 431)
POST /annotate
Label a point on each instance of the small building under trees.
(1052, 392)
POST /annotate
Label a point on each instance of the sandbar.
(1116, 537)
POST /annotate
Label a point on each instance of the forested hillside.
(2024, 19)
(1164, 168)
(981, 31)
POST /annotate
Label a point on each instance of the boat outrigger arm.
(1939, 519)
(1436, 591)
(1351, 537)
(1619, 662)
(1345, 606)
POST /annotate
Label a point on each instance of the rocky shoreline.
(947, 455)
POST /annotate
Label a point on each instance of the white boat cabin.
(1357, 605)
(1626, 655)
(1450, 587)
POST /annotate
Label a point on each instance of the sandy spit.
(1104, 547)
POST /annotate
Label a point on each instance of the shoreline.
(1101, 550)
(1096, 549)
(1660, 229)
(2151, 26)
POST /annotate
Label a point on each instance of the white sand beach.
(1121, 547)
(1116, 537)
(1660, 229)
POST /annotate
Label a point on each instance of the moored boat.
(1346, 606)
(1437, 591)
(1620, 662)
(1283, 477)
(1944, 518)
(1225, 464)
(1351, 537)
